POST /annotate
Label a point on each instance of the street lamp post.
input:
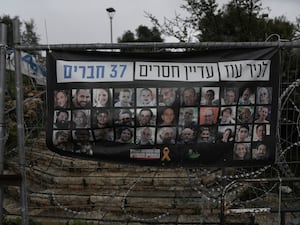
(111, 12)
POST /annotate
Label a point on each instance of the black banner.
(193, 109)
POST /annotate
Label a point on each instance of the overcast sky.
(86, 21)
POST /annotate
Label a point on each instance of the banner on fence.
(29, 66)
(204, 108)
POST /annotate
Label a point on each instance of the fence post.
(20, 121)
(3, 42)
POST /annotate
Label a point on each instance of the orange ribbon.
(166, 156)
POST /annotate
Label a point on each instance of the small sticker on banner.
(145, 154)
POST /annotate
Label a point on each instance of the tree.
(142, 34)
(28, 35)
(128, 36)
(238, 20)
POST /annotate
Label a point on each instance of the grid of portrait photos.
(148, 116)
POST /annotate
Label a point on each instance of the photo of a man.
(168, 96)
(81, 98)
(208, 115)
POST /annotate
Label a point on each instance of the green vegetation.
(238, 20)
(142, 34)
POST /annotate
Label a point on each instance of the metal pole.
(20, 121)
(111, 31)
(111, 11)
(157, 45)
(3, 42)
